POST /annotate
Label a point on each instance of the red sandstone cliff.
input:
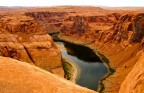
(22, 38)
(134, 81)
(51, 21)
(85, 29)
(52, 18)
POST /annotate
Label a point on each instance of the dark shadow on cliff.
(82, 52)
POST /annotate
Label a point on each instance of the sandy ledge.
(76, 69)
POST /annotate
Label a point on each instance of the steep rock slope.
(87, 28)
(21, 77)
(119, 40)
(22, 38)
(134, 82)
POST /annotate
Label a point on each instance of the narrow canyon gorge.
(33, 42)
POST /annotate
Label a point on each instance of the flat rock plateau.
(30, 61)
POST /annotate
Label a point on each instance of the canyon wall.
(52, 18)
(134, 81)
(50, 21)
(22, 38)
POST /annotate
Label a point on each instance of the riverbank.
(92, 71)
(74, 71)
(106, 62)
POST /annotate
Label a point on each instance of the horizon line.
(76, 6)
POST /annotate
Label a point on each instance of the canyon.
(116, 37)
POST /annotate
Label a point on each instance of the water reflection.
(91, 72)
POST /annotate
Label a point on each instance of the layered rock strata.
(22, 38)
(50, 21)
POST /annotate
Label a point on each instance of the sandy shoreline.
(75, 69)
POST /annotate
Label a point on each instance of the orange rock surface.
(24, 39)
(134, 81)
(21, 77)
(51, 21)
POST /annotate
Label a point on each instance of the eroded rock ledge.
(22, 38)
(50, 21)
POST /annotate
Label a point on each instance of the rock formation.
(77, 27)
(130, 27)
(22, 38)
(21, 77)
(134, 81)
(51, 21)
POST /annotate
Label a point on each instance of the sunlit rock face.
(22, 38)
(21, 77)
(134, 81)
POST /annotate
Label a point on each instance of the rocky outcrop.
(134, 81)
(51, 21)
(22, 38)
(130, 27)
(77, 27)
(119, 40)
(21, 77)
